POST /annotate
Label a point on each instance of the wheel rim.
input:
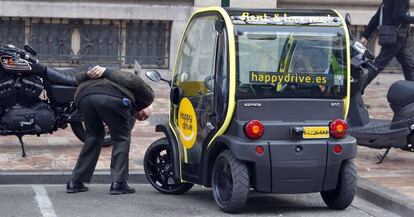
(159, 169)
(223, 181)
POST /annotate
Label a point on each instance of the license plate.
(316, 132)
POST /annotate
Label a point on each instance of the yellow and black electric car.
(258, 101)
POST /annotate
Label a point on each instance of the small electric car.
(258, 101)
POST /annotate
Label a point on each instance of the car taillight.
(254, 129)
(337, 149)
(338, 128)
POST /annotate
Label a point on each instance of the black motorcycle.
(376, 133)
(36, 99)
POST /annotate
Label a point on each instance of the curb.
(386, 198)
(61, 177)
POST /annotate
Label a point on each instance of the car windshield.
(291, 61)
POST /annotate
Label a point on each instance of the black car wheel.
(341, 197)
(158, 166)
(230, 182)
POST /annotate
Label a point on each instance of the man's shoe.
(75, 187)
(118, 188)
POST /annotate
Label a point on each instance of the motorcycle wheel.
(78, 129)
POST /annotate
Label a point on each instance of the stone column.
(177, 30)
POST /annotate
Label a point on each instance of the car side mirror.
(153, 75)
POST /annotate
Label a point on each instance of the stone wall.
(177, 12)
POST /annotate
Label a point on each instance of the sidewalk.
(397, 171)
(59, 152)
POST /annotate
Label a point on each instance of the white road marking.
(43, 201)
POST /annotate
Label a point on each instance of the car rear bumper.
(293, 166)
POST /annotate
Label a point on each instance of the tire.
(230, 183)
(79, 130)
(158, 166)
(341, 197)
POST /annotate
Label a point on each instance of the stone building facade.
(105, 31)
(70, 32)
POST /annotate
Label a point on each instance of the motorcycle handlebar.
(29, 58)
(372, 66)
(21, 53)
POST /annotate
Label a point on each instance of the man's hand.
(96, 72)
(143, 114)
(364, 41)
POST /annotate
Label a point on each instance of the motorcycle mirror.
(137, 67)
(348, 19)
(30, 50)
(153, 75)
(358, 46)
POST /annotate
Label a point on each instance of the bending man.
(114, 98)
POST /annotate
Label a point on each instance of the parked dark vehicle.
(258, 101)
(36, 99)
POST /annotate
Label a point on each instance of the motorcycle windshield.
(291, 62)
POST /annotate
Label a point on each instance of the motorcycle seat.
(65, 76)
(401, 93)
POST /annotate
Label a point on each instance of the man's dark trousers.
(98, 109)
(404, 55)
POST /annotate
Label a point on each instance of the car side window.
(196, 58)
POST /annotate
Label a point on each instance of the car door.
(194, 80)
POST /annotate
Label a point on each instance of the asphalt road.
(52, 201)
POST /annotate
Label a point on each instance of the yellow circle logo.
(187, 123)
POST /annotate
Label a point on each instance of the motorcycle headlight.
(358, 46)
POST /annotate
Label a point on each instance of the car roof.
(289, 12)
